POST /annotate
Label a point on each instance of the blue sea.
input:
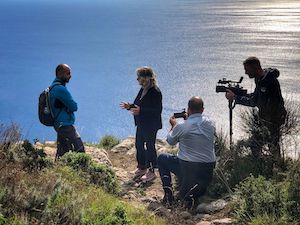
(190, 44)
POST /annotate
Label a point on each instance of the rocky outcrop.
(211, 207)
(224, 221)
(98, 155)
(127, 146)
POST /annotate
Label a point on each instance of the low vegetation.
(34, 190)
(263, 191)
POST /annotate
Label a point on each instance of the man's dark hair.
(196, 104)
(252, 61)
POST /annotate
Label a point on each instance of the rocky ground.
(122, 159)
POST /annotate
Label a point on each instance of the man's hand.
(136, 111)
(173, 121)
(125, 105)
(230, 95)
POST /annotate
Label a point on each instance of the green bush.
(108, 142)
(293, 177)
(256, 197)
(98, 174)
(3, 221)
(22, 198)
(32, 158)
(103, 176)
(271, 220)
(118, 217)
(76, 160)
(26, 155)
(63, 207)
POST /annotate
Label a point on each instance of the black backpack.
(46, 116)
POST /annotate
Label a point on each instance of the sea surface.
(190, 44)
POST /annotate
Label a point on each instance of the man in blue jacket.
(63, 107)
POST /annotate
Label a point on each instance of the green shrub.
(3, 221)
(293, 204)
(98, 174)
(118, 217)
(108, 142)
(64, 206)
(256, 197)
(271, 220)
(20, 198)
(76, 160)
(32, 158)
(103, 176)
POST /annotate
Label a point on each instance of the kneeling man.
(195, 159)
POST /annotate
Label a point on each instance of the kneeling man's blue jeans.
(193, 177)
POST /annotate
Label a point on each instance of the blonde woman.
(146, 109)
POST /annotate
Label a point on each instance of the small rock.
(50, 143)
(189, 222)
(148, 199)
(224, 221)
(204, 223)
(211, 207)
(128, 146)
(153, 206)
(51, 152)
(124, 146)
(201, 216)
(185, 215)
(98, 155)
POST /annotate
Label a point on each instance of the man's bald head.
(195, 105)
(63, 72)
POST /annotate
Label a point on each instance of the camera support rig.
(235, 87)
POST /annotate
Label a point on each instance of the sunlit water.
(190, 44)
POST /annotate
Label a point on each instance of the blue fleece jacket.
(62, 104)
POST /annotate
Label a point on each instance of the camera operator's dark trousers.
(68, 139)
(193, 177)
(269, 134)
(146, 157)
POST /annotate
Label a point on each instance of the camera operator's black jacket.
(267, 97)
(151, 108)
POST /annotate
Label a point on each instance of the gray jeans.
(68, 139)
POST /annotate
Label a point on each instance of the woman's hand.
(125, 105)
(136, 111)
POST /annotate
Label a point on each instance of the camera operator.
(195, 159)
(267, 97)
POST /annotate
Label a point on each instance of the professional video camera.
(224, 85)
(182, 114)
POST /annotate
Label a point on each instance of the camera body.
(224, 85)
(182, 114)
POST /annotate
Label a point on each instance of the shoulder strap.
(53, 85)
(48, 99)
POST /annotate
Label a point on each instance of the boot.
(168, 197)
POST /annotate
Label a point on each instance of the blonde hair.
(146, 71)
